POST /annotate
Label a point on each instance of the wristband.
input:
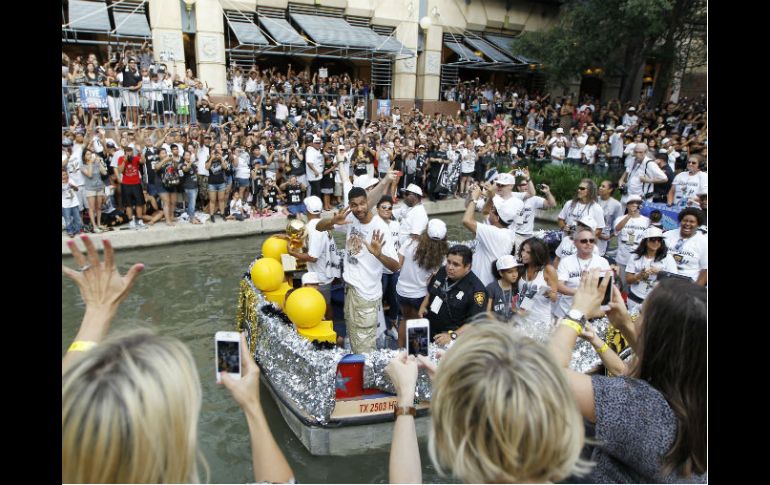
(604, 348)
(573, 325)
(403, 411)
(81, 346)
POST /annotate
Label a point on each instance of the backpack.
(169, 176)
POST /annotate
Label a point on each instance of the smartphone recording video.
(417, 336)
(228, 354)
(608, 292)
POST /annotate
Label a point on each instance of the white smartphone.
(417, 336)
(227, 352)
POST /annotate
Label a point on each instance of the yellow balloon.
(305, 307)
(267, 274)
(274, 247)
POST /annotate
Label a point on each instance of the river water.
(190, 291)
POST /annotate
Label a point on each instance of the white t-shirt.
(525, 222)
(616, 145)
(201, 159)
(612, 210)
(493, 242)
(413, 281)
(690, 255)
(648, 168)
(315, 157)
(468, 160)
(68, 197)
(569, 272)
(236, 206)
(395, 233)
(362, 270)
(576, 145)
(630, 236)
(589, 151)
(321, 245)
(635, 266)
(571, 213)
(686, 185)
(242, 171)
(410, 218)
(558, 152)
(73, 169)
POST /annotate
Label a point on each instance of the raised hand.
(375, 246)
(341, 215)
(402, 371)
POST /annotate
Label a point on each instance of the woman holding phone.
(145, 431)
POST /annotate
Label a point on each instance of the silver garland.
(376, 377)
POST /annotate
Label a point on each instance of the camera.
(540, 186)
(519, 173)
(623, 189)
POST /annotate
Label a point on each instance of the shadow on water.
(190, 292)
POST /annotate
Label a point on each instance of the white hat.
(316, 139)
(311, 278)
(506, 262)
(560, 130)
(421, 146)
(515, 95)
(436, 229)
(631, 109)
(415, 189)
(519, 137)
(505, 179)
(634, 198)
(588, 221)
(620, 128)
(313, 204)
(365, 181)
(652, 231)
(665, 140)
(341, 147)
(506, 209)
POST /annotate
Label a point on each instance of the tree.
(619, 36)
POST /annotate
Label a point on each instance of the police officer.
(455, 295)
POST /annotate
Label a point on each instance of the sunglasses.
(586, 241)
(582, 188)
(386, 207)
(655, 239)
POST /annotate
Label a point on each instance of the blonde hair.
(503, 412)
(130, 413)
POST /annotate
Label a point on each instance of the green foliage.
(605, 33)
(563, 180)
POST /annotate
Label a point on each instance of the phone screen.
(228, 357)
(417, 340)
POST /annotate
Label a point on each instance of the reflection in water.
(190, 292)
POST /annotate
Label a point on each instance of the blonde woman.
(501, 412)
(131, 404)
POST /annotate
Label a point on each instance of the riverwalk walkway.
(160, 234)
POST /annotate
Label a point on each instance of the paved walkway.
(160, 234)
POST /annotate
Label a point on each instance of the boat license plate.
(364, 407)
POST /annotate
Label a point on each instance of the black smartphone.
(608, 292)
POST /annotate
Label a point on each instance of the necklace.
(584, 268)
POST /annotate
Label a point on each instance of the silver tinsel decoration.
(375, 376)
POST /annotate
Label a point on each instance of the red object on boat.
(349, 382)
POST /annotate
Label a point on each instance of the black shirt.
(465, 298)
(294, 193)
(131, 79)
(204, 114)
(151, 154)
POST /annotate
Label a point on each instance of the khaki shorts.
(361, 321)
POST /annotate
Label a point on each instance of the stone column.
(166, 25)
(405, 74)
(210, 45)
(429, 65)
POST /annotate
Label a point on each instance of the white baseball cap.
(436, 229)
(415, 189)
(634, 198)
(311, 278)
(506, 209)
(505, 179)
(631, 109)
(588, 221)
(560, 130)
(620, 128)
(519, 137)
(365, 181)
(316, 139)
(506, 262)
(313, 204)
(652, 231)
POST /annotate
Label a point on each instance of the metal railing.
(160, 108)
(119, 106)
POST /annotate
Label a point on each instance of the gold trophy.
(296, 231)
